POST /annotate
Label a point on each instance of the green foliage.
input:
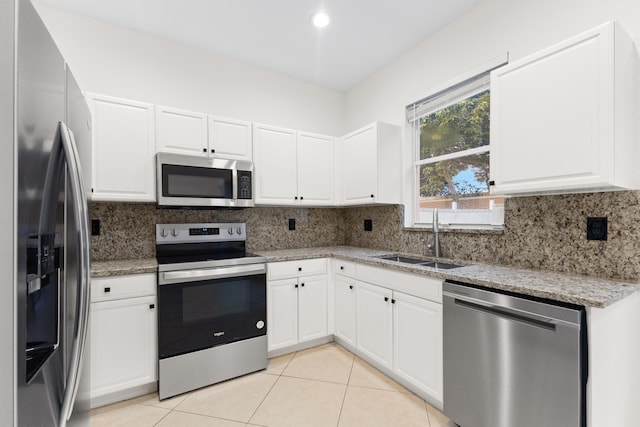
(455, 128)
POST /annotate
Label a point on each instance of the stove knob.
(164, 233)
(239, 230)
(174, 232)
(230, 231)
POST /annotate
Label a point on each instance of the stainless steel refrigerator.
(50, 276)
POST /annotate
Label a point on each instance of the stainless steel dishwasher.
(511, 360)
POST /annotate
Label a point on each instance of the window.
(450, 132)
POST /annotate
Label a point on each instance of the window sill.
(475, 229)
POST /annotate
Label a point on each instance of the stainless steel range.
(212, 306)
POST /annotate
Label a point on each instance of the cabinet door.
(312, 308)
(123, 344)
(552, 118)
(123, 155)
(417, 342)
(345, 309)
(274, 154)
(282, 313)
(374, 314)
(180, 131)
(230, 139)
(315, 169)
(360, 160)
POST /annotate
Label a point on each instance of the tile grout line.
(346, 389)
(270, 388)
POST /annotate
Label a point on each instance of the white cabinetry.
(372, 165)
(123, 166)
(180, 131)
(296, 302)
(274, 153)
(393, 320)
(417, 342)
(122, 337)
(230, 139)
(563, 119)
(293, 168)
(196, 134)
(374, 323)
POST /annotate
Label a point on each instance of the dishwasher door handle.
(518, 316)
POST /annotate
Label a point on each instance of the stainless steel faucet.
(436, 235)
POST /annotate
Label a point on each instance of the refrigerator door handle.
(82, 234)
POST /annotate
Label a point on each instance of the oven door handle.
(184, 276)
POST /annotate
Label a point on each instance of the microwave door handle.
(234, 183)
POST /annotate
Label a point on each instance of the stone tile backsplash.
(540, 232)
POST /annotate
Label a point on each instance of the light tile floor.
(321, 386)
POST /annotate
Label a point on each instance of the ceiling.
(362, 37)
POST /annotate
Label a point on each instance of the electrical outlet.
(368, 225)
(292, 224)
(95, 227)
(597, 228)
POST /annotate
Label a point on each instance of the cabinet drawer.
(344, 268)
(412, 284)
(119, 287)
(307, 267)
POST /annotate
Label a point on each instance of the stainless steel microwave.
(192, 181)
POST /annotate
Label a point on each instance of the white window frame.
(437, 99)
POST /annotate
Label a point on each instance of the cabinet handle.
(393, 301)
(386, 298)
(213, 150)
(299, 268)
(350, 286)
(372, 196)
(301, 198)
(107, 290)
(492, 183)
(296, 285)
(204, 150)
(152, 306)
(302, 285)
(341, 267)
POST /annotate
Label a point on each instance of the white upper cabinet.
(293, 168)
(315, 169)
(372, 165)
(274, 153)
(230, 139)
(182, 132)
(196, 134)
(123, 163)
(563, 119)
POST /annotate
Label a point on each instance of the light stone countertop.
(575, 289)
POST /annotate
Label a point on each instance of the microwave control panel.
(245, 190)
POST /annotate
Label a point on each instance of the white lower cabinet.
(374, 323)
(345, 313)
(297, 305)
(417, 342)
(122, 337)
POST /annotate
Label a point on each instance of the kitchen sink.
(418, 261)
(402, 259)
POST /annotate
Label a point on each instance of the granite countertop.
(575, 289)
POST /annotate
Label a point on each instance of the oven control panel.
(194, 233)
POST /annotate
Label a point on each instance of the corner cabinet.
(293, 168)
(372, 165)
(563, 119)
(122, 338)
(123, 154)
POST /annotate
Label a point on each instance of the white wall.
(115, 61)
(490, 29)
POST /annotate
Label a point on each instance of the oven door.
(204, 308)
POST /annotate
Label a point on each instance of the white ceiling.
(362, 37)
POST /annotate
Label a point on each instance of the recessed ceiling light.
(320, 19)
